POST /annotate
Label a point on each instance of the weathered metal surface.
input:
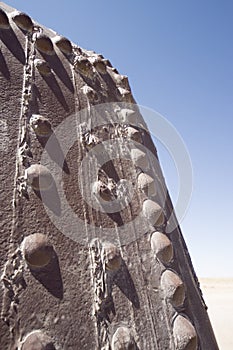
(80, 289)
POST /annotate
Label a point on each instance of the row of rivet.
(174, 291)
(36, 250)
(22, 20)
(45, 45)
(105, 260)
(86, 65)
(171, 284)
(83, 64)
(43, 42)
(24, 154)
(151, 210)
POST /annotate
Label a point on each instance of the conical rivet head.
(184, 334)
(43, 67)
(44, 44)
(37, 251)
(23, 21)
(63, 44)
(127, 115)
(147, 184)
(83, 66)
(151, 211)
(4, 21)
(100, 67)
(37, 340)
(112, 256)
(126, 95)
(140, 159)
(162, 247)
(41, 125)
(39, 177)
(173, 288)
(101, 191)
(123, 340)
(134, 134)
(90, 93)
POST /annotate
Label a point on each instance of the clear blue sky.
(178, 55)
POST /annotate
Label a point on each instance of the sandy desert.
(218, 295)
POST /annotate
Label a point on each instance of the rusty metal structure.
(60, 291)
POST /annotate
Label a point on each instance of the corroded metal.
(94, 288)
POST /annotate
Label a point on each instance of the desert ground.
(218, 295)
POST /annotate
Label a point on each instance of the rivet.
(90, 93)
(83, 65)
(63, 44)
(151, 211)
(37, 340)
(123, 340)
(40, 125)
(147, 184)
(162, 247)
(173, 288)
(101, 190)
(43, 67)
(134, 134)
(44, 44)
(124, 82)
(22, 20)
(126, 94)
(140, 159)
(127, 115)
(184, 334)
(4, 21)
(120, 80)
(100, 66)
(37, 251)
(98, 62)
(107, 63)
(39, 177)
(112, 256)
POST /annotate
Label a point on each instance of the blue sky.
(179, 59)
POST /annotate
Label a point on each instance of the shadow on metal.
(50, 277)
